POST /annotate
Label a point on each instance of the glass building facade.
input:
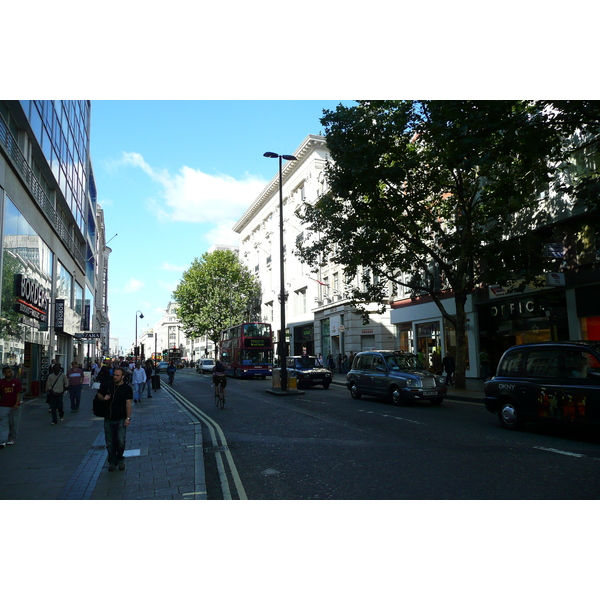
(52, 239)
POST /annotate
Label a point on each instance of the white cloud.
(133, 285)
(194, 196)
(176, 268)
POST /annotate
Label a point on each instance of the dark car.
(547, 381)
(307, 371)
(397, 376)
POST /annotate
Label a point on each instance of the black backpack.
(100, 408)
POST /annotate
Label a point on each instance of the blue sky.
(173, 177)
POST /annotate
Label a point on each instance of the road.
(326, 445)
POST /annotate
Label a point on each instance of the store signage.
(59, 314)
(508, 309)
(555, 279)
(85, 323)
(88, 335)
(31, 299)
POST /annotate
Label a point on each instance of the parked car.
(307, 371)
(397, 376)
(205, 365)
(547, 381)
(162, 367)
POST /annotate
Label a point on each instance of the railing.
(12, 150)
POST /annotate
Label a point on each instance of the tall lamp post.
(135, 344)
(282, 346)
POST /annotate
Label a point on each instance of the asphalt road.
(326, 445)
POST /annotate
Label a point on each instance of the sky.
(173, 177)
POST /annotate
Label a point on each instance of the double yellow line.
(219, 442)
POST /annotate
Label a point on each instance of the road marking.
(215, 431)
(561, 452)
(370, 412)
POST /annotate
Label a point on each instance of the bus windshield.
(257, 330)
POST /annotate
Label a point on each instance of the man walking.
(75, 377)
(148, 370)
(118, 396)
(10, 414)
(138, 379)
(449, 367)
(56, 384)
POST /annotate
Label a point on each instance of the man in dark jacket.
(449, 367)
(119, 397)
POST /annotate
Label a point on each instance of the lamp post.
(135, 344)
(282, 346)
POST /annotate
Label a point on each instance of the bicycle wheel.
(216, 386)
(222, 396)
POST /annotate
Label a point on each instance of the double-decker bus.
(247, 350)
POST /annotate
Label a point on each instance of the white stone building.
(319, 319)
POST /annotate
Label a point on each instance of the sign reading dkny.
(31, 299)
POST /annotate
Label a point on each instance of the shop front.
(304, 339)
(521, 319)
(421, 329)
(26, 279)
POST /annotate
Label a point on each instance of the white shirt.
(139, 375)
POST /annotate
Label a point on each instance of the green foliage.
(434, 189)
(215, 293)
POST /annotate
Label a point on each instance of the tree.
(215, 293)
(432, 189)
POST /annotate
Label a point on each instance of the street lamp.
(135, 344)
(282, 346)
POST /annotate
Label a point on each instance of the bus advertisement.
(247, 350)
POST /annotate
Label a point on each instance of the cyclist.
(220, 377)
(171, 368)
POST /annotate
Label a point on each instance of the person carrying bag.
(55, 397)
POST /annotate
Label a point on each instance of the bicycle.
(219, 387)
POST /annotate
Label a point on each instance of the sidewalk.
(163, 454)
(473, 391)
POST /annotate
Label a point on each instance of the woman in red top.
(10, 392)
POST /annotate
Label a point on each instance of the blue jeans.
(14, 418)
(138, 388)
(75, 395)
(4, 423)
(114, 434)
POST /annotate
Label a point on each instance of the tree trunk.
(461, 342)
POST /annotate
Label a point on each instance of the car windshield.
(304, 362)
(401, 362)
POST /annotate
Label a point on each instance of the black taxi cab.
(546, 381)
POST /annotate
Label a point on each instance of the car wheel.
(354, 391)
(395, 396)
(326, 386)
(509, 416)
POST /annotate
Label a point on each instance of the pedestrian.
(319, 360)
(345, 364)
(148, 370)
(138, 379)
(118, 397)
(484, 361)
(171, 368)
(56, 385)
(104, 376)
(75, 377)
(10, 413)
(449, 367)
